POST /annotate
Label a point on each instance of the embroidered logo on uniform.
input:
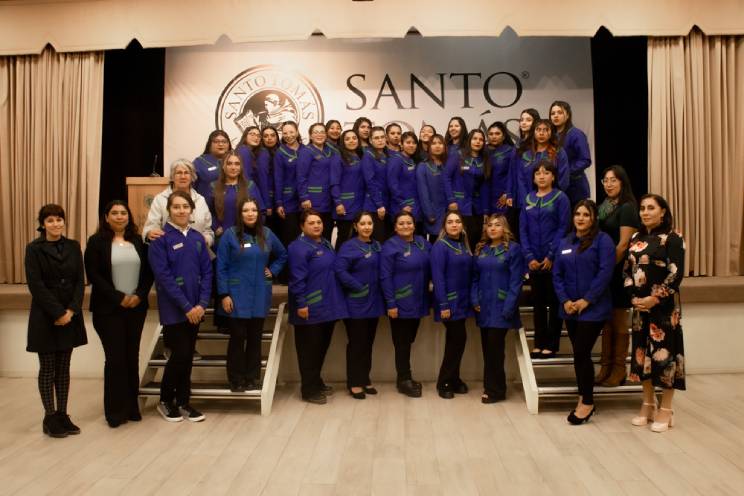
(265, 96)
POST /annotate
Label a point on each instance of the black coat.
(104, 297)
(56, 282)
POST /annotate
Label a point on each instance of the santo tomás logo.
(267, 95)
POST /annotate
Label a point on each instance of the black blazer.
(56, 282)
(104, 298)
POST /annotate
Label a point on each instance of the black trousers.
(327, 219)
(344, 232)
(361, 334)
(473, 225)
(404, 333)
(382, 229)
(583, 335)
(120, 334)
(494, 377)
(289, 229)
(311, 344)
(181, 339)
(545, 303)
(244, 350)
(454, 347)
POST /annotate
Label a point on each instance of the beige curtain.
(50, 147)
(696, 144)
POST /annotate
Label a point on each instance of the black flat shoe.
(135, 416)
(409, 388)
(550, 354)
(460, 388)
(317, 399)
(115, 423)
(370, 390)
(237, 387)
(574, 420)
(492, 398)
(535, 354)
(327, 390)
(357, 396)
(446, 394)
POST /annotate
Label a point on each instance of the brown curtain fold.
(51, 109)
(696, 154)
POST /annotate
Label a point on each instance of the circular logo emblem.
(266, 96)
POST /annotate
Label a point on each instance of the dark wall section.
(132, 117)
(621, 107)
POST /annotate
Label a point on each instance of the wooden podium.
(140, 193)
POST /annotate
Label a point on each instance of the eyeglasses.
(319, 131)
(610, 180)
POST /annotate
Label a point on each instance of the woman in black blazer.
(117, 267)
(54, 271)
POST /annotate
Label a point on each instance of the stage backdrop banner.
(410, 81)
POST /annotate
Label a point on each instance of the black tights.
(583, 335)
(54, 376)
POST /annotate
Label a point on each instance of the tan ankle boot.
(606, 360)
(619, 355)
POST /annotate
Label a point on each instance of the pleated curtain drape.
(696, 144)
(51, 108)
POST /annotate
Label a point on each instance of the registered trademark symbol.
(525, 75)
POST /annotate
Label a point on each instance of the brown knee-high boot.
(606, 360)
(619, 355)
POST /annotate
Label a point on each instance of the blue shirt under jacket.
(313, 283)
(432, 198)
(543, 222)
(257, 169)
(357, 268)
(579, 158)
(375, 180)
(207, 171)
(240, 272)
(230, 210)
(585, 275)
(347, 186)
(183, 273)
(285, 178)
(464, 184)
(497, 284)
(501, 183)
(401, 181)
(405, 275)
(525, 166)
(451, 271)
(313, 176)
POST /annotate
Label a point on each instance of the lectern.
(140, 193)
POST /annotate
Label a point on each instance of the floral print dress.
(655, 267)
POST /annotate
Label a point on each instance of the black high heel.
(574, 420)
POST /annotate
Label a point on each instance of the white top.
(125, 267)
(201, 218)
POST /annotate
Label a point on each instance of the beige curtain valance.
(26, 26)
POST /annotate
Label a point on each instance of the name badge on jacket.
(214, 167)
(246, 245)
(178, 246)
(566, 252)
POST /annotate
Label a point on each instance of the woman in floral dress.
(653, 274)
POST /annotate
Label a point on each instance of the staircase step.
(219, 336)
(562, 360)
(567, 388)
(206, 361)
(204, 390)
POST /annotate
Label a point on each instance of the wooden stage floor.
(387, 444)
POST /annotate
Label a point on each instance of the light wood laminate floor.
(387, 444)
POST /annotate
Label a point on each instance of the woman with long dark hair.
(497, 285)
(451, 270)
(581, 277)
(465, 184)
(457, 130)
(227, 190)
(401, 178)
(618, 217)
(347, 185)
(404, 277)
(393, 135)
(430, 186)
(425, 134)
(333, 134)
(120, 276)
(56, 281)
(654, 272)
(285, 182)
(183, 276)
(316, 302)
(270, 143)
(574, 142)
(207, 165)
(357, 268)
(244, 277)
(256, 164)
(313, 176)
(362, 127)
(543, 223)
(500, 150)
(527, 119)
(375, 168)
